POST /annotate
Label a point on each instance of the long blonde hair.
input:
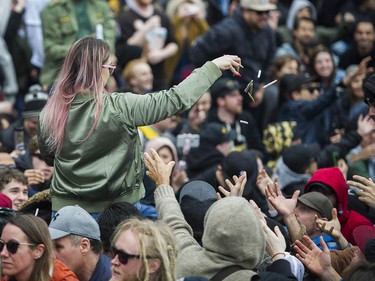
(81, 71)
(156, 241)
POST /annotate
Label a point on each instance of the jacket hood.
(334, 179)
(295, 7)
(232, 232)
(160, 142)
(286, 176)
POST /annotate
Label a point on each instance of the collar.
(83, 96)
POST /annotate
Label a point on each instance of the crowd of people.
(187, 140)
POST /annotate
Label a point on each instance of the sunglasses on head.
(123, 256)
(12, 246)
(110, 67)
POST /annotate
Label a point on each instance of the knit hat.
(216, 133)
(196, 198)
(298, 157)
(34, 101)
(317, 202)
(73, 220)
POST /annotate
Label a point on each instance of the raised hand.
(366, 194)
(263, 180)
(236, 189)
(34, 176)
(332, 227)
(157, 170)
(229, 62)
(258, 211)
(275, 241)
(284, 206)
(315, 260)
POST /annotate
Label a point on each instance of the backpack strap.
(225, 272)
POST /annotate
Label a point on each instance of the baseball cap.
(34, 101)
(73, 220)
(216, 133)
(258, 5)
(223, 86)
(317, 202)
(291, 82)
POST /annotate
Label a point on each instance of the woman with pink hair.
(91, 136)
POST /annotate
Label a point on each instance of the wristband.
(279, 253)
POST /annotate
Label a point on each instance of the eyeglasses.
(123, 256)
(12, 246)
(110, 67)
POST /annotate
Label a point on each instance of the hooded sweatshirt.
(288, 180)
(232, 236)
(157, 143)
(295, 7)
(349, 220)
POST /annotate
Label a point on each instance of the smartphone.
(191, 140)
(19, 140)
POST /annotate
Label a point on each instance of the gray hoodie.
(232, 236)
(295, 7)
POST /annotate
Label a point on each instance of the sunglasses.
(123, 256)
(10, 167)
(260, 13)
(110, 67)
(312, 89)
(12, 246)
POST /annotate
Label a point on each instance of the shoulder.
(61, 272)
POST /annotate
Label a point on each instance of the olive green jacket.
(60, 31)
(108, 166)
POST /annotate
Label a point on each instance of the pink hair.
(81, 71)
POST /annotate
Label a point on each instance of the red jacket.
(349, 220)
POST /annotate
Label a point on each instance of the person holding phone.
(91, 137)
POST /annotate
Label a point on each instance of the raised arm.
(286, 207)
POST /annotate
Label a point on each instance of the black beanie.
(34, 101)
(298, 157)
